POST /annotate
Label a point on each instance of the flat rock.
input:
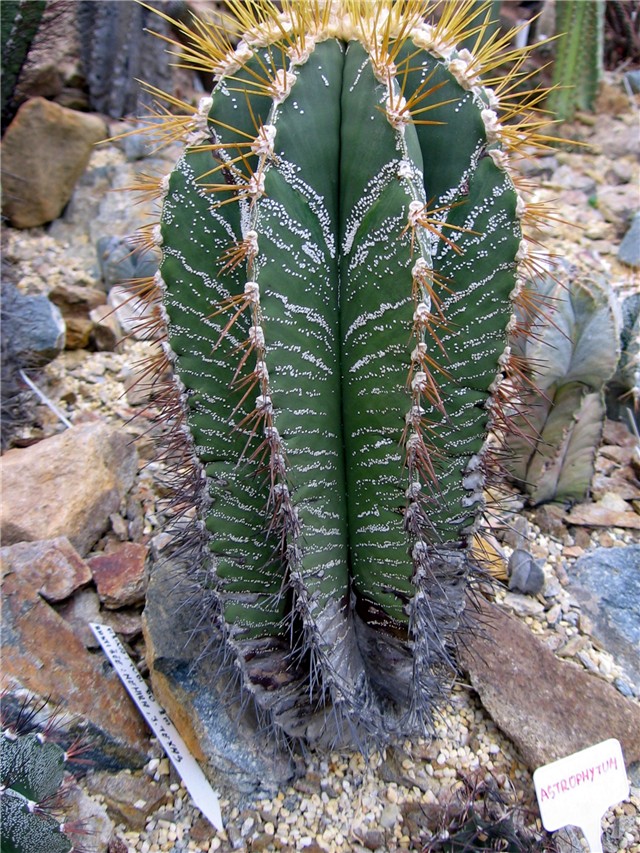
(606, 583)
(547, 707)
(120, 575)
(130, 799)
(41, 653)
(53, 566)
(188, 682)
(599, 515)
(66, 485)
(44, 151)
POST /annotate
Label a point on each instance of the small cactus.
(571, 355)
(342, 249)
(32, 768)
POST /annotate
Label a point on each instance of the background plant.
(572, 353)
(19, 24)
(579, 56)
(342, 246)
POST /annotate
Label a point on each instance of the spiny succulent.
(32, 789)
(342, 248)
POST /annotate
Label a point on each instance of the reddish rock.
(120, 575)
(53, 566)
(41, 653)
(84, 607)
(66, 485)
(547, 707)
(45, 149)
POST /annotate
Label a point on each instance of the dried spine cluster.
(342, 247)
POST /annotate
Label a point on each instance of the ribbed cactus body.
(340, 245)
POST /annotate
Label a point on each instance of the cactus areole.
(342, 247)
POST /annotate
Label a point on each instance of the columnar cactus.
(572, 355)
(341, 242)
(578, 65)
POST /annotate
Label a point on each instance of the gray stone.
(32, 327)
(66, 485)
(200, 699)
(629, 251)
(517, 532)
(548, 707)
(632, 78)
(390, 815)
(606, 583)
(121, 259)
(525, 573)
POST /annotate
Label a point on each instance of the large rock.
(547, 707)
(32, 327)
(67, 485)
(189, 681)
(41, 654)
(606, 583)
(44, 151)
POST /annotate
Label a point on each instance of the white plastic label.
(578, 789)
(194, 779)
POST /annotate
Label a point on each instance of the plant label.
(194, 779)
(578, 789)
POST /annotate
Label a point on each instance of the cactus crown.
(342, 247)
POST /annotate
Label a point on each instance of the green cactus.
(32, 770)
(19, 24)
(572, 355)
(578, 64)
(341, 241)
